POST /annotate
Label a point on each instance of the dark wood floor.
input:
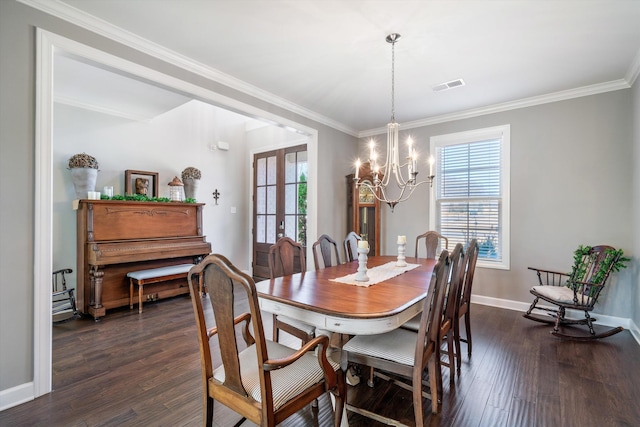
(143, 370)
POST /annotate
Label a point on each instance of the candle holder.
(361, 275)
(401, 262)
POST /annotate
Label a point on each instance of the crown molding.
(634, 70)
(507, 106)
(112, 32)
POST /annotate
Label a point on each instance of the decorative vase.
(84, 180)
(190, 187)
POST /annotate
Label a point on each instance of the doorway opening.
(47, 44)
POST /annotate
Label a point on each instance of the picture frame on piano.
(141, 182)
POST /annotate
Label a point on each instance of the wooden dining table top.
(315, 291)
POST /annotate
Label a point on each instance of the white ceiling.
(330, 57)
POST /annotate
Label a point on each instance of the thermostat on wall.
(224, 146)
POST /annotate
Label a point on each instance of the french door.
(279, 202)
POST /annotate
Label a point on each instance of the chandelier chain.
(393, 81)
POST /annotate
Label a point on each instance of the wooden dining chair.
(464, 301)
(407, 353)
(432, 240)
(286, 257)
(265, 382)
(351, 246)
(450, 310)
(328, 251)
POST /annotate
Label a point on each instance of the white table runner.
(376, 274)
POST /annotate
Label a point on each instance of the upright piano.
(116, 237)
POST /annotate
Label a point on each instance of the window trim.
(503, 133)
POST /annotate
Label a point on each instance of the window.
(471, 197)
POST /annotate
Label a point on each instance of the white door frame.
(47, 44)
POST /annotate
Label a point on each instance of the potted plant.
(190, 178)
(84, 173)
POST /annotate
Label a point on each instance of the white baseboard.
(14, 396)
(602, 319)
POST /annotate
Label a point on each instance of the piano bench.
(154, 275)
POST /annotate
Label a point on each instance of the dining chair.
(450, 310)
(262, 380)
(407, 353)
(464, 301)
(447, 328)
(328, 249)
(351, 246)
(432, 241)
(286, 257)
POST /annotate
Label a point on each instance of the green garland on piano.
(142, 198)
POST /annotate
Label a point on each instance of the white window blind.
(471, 192)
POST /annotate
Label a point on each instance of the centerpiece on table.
(84, 173)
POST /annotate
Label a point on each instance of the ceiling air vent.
(448, 85)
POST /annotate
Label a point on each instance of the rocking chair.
(577, 291)
(63, 301)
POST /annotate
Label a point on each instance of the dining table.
(334, 302)
(322, 298)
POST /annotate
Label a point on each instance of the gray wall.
(17, 150)
(571, 183)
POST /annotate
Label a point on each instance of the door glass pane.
(271, 200)
(260, 230)
(271, 229)
(302, 198)
(302, 229)
(261, 171)
(261, 200)
(302, 166)
(290, 199)
(290, 227)
(290, 167)
(271, 170)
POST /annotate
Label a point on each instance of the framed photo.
(141, 182)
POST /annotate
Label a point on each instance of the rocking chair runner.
(578, 291)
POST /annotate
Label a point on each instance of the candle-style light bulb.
(357, 168)
(372, 149)
(414, 161)
(431, 162)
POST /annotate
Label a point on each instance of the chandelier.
(382, 187)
